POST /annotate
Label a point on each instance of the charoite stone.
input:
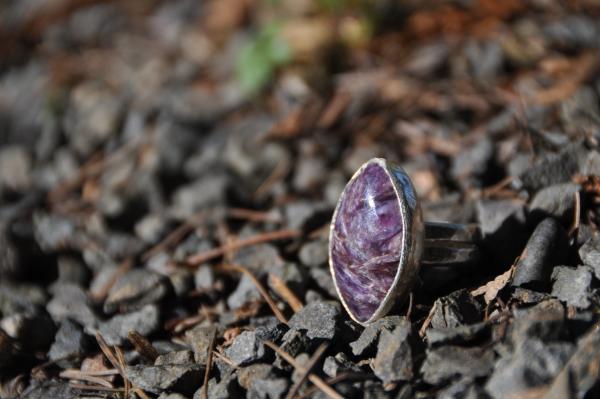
(366, 240)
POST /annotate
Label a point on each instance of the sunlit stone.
(366, 240)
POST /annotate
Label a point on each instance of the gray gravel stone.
(245, 292)
(135, 289)
(247, 375)
(314, 253)
(449, 362)
(175, 357)
(394, 359)
(557, 201)
(70, 342)
(554, 168)
(572, 285)
(455, 310)
(531, 365)
(590, 254)
(458, 335)
(319, 319)
(365, 343)
(546, 248)
(173, 377)
(259, 259)
(226, 388)
(145, 321)
(92, 117)
(246, 348)
(199, 338)
(70, 301)
(334, 365)
(204, 277)
(268, 388)
(18, 298)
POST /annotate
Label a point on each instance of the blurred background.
(137, 114)
(124, 121)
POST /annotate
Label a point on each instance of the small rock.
(20, 298)
(458, 335)
(294, 342)
(151, 228)
(557, 201)
(268, 388)
(471, 163)
(70, 343)
(554, 168)
(292, 275)
(455, 310)
(590, 254)
(298, 213)
(70, 301)
(493, 214)
(545, 321)
(319, 319)
(246, 348)
(259, 259)
(547, 247)
(531, 365)
(145, 321)
(200, 338)
(572, 285)
(226, 388)
(323, 279)
(92, 117)
(428, 59)
(575, 380)
(202, 193)
(334, 365)
(309, 173)
(72, 270)
(175, 357)
(135, 289)
(365, 344)
(448, 362)
(15, 168)
(171, 396)
(247, 375)
(394, 359)
(314, 253)
(245, 292)
(9, 256)
(48, 389)
(204, 277)
(173, 377)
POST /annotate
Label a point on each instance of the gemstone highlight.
(366, 240)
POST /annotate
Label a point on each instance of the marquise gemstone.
(366, 240)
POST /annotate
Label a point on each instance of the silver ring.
(378, 241)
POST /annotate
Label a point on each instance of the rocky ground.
(168, 171)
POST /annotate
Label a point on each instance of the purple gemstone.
(366, 240)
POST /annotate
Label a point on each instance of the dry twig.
(263, 291)
(280, 287)
(309, 366)
(326, 389)
(199, 258)
(208, 365)
(142, 345)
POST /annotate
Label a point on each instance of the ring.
(378, 241)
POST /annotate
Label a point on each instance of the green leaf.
(260, 57)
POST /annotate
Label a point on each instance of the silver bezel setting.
(412, 240)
